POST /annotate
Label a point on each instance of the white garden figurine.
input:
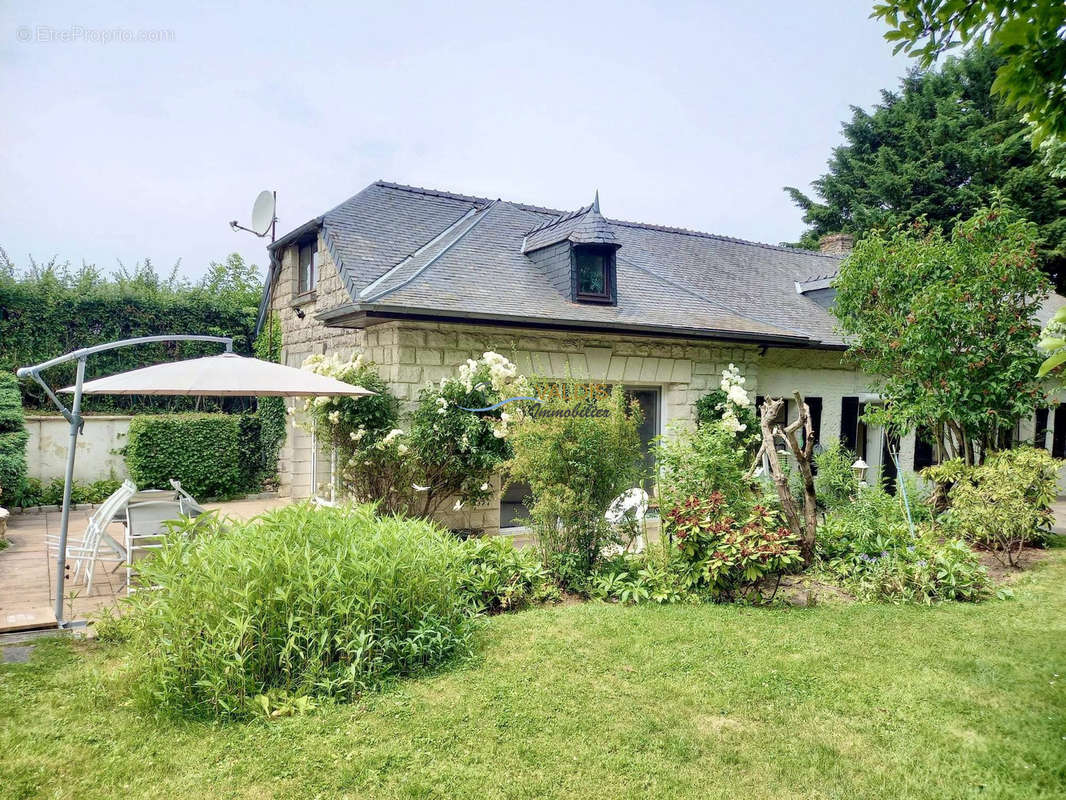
(627, 512)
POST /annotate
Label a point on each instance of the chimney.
(836, 244)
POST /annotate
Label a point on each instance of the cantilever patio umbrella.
(211, 376)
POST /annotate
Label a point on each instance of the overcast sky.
(686, 114)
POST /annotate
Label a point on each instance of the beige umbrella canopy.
(224, 375)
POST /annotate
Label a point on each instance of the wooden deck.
(27, 574)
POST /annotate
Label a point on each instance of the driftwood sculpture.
(805, 528)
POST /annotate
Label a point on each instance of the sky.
(138, 130)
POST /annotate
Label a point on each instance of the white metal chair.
(145, 528)
(189, 506)
(84, 552)
(626, 514)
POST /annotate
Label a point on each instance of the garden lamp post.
(859, 468)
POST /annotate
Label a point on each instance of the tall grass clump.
(305, 601)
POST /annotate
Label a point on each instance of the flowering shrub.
(371, 451)
(728, 556)
(730, 407)
(340, 420)
(459, 450)
(449, 454)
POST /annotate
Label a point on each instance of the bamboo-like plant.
(319, 602)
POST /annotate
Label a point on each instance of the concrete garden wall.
(46, 451)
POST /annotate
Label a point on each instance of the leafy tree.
(1029, 34)
(235, 280)
(948, 326)
(938, 148)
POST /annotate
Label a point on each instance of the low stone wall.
(96, 458)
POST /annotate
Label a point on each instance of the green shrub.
(726, 555)
(835, 483)
(36, 493)
(867, 544)
(310, 601)
(926, 570)
(576, 465)
(1005, 504)
(697, 463)
(13, 438)
(497, 576)
(658, 575)
(203, 451)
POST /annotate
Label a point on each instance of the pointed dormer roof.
(584, 226)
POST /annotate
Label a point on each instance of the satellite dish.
(263, 213)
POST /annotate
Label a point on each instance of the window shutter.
(923, 448)
(1058, 438)
(814, 405)
(1040, 431)
(849, 422)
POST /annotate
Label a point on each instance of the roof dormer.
(584, 243)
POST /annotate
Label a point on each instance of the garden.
(777, 623)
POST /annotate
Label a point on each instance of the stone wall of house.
(301, 337)
(820, 373)
(410, 354)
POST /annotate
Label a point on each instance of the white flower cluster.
(500, 429)
(391, 437)
(332, 366)
(736, 399)
(501, 371)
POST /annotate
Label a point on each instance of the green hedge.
(44, 317)
(203, 451)
(13, 439)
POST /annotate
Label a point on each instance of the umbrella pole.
(64, 522)
(74, 417)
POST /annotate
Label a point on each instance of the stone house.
(420, 280)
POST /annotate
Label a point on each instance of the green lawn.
(603, 701)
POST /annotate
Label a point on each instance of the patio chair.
(145, 529)
(189, 506)
(84, 552)
(626, 515)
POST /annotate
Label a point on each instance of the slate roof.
(584, 226)
(413, 251)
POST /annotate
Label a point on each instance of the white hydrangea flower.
(392, 435)
(334, 417)
(737, 396)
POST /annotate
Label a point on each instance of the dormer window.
(307, 266)
(593, 269)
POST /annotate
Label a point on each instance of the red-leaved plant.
(727, 557)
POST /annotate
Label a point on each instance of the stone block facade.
(409, 354)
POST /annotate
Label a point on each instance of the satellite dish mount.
(264, 216)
